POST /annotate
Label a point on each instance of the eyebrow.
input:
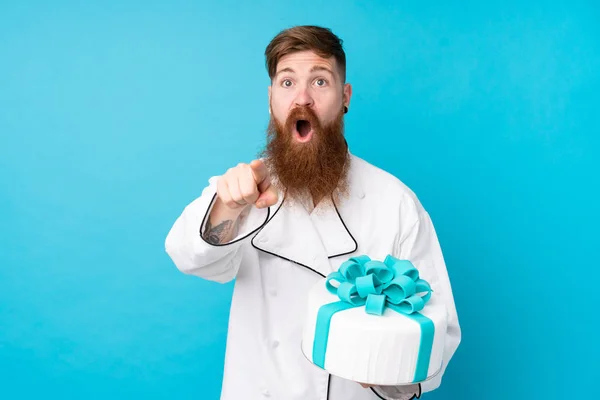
(313, 69)
(320, 68)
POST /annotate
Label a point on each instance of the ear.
(347, 94)
(269, 90)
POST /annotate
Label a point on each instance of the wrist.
(220, 211)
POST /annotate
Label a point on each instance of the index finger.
(259, 171)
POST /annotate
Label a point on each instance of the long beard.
(312, 171)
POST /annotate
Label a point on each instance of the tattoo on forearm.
(219, 233)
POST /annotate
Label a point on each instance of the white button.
(275, 344)
(266, 393)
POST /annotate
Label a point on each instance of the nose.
(304, 98)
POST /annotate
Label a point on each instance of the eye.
(286, 83)
(321, 82)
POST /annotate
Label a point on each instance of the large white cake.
(382, 349)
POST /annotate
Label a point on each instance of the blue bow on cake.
(392, 283)
(377, 285)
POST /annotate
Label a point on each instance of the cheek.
(330, 108)
(280, 104)
(280, 112)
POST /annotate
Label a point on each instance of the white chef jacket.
(279, 253)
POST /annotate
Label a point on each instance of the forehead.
(304, 61)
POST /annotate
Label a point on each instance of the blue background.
(113, 115)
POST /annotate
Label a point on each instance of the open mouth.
(303, 130)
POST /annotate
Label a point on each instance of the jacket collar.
(311, 239)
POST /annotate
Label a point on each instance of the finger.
(224, 195)
(264, 185)
(260, 173)
(248, 187)
(233, 183)
(268, 198)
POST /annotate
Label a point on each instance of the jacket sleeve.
(420, 245)
(193, 255)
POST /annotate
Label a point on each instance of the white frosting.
(379, 350)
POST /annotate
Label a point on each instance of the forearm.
(222, 224)
(188, 247)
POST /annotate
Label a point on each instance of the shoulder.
(384, 187)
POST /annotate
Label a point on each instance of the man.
(284, 221)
